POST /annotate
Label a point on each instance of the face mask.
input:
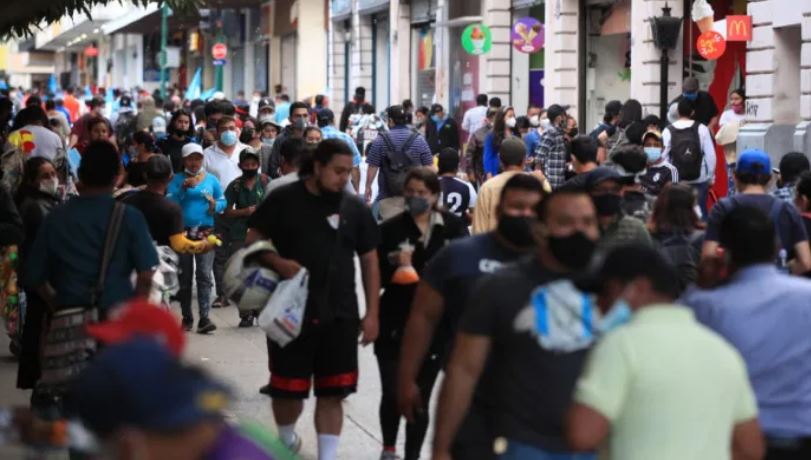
(607, 204)
(545, 123)
(517, 230)
(573, 132)
(267, 140)
(49, 186)
(510, 122)
(738, 108)
(534, 121)
(247, 135)
(436, 118)
(250, 173)
(228, 138)
(619, 314)
(191, 173)
(417, 205)
(690, 96)
(573, 251)
(653, 153)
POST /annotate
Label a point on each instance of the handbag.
(283, 316)
(67, 349)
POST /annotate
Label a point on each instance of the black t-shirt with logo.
(456, 194)
(164, 216)
(303, 227)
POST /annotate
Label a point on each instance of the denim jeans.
(221, 253)
(204, 263)
(702, 191)
(731, 179)
(521, 451)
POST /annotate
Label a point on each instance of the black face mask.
(573, 251)
(607, 204)
(250, 173)
(517, 230)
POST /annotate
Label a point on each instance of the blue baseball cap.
(141, 384)
(753, 162)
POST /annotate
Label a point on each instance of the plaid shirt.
(551, 156)
(785, 193)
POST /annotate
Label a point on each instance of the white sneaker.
(295, 445)
(387, 455)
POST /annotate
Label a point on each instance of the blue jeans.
(521, 451)
(702, 191)
(731, 179)
(204, 264)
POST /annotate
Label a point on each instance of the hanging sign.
(527, 35)
(476, 39)
(739, 28)
(711, 45)
(219, 51)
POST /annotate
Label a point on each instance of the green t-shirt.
(238, 196)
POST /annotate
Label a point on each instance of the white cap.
(191, 148)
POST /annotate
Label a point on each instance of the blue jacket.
(193, 200)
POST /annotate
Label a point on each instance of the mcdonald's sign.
(739, 28)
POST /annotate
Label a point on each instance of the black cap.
(125, 101)
(600, 175)
(326, 115)
(248, 153)
(266, 102)
(555, 111)
(613, 108)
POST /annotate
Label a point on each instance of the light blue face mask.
(653, 153)
(228, 138)
(436, 118)
(691, 96)
(617, 315)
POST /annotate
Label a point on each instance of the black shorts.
(325, 352)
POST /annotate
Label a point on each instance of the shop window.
(424, 65)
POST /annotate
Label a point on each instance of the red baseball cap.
(140, 318)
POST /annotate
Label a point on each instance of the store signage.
(527, 35)
(711, 45)
(219, 62)
(219, 51)
(739, 28)
(477, 39)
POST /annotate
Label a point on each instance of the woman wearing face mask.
(312, 135)
(38, 194)
(180, 134)
(143, 147)
(503, 128)
(727, 136)
(408, 241)
(677, 231)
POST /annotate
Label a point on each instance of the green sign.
(477, 39)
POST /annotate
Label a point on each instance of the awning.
(148, 20)
(116, 25)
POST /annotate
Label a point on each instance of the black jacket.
(447, 137)
(395, 303)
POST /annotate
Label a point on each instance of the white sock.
(328, 446)
(287, 433)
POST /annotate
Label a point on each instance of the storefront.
(463, 67)
(423, 52)
(375, 15)
(528, 68)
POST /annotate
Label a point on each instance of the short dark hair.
(284, 98)
(33, 101)
(481, 99)
(422, 109)
(804, 185)
(584, 149)
(748, 235)
(685, 108)
(631, 261)
(50, 104)
(752, 178)
(219, 106)
(546, 202)
(740, 92)
(792, 165)
(100, 165)
(631, 158)
(225, 120)
(522, 122)
(297, 105)
(143, 137)
(425, 175)
(448, 160)
(292, 150)
(328, 148)
(28, 116)
(319, 99)
(524, 182)
(495, 102)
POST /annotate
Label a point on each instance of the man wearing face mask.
(706, 112)
(442, 294)
(299, 112)
(709, 411)
(442, 130)
(514, 341)
(551, 154)
(533, 138)
(605, 187)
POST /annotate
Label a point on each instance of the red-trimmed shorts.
(325, 352)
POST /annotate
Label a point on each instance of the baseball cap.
(140, 384)
(600, 175)
(556, 110)
(139, 318)
(190, 149)
(326, 115)
(158, 167)
(753, 161)
(690, 84)
(248, 153)
(651, 132)
(266, 102)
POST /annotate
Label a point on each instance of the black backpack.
(685, 151)
(684, 253)
(124, 128)
(397, 163)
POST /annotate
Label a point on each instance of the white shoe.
(295, 445)
(387, 455)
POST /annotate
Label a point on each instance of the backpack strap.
(409, 142)
(113, 229)
(774, 215)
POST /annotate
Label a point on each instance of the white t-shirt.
(729, 116)
(707, 146)
(38, 141)
(473, 118)
(221, 166)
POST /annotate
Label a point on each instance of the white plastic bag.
(283, 315)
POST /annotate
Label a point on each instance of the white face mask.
(510, 122)
(545, 123)
(49, 186)
(535, 121)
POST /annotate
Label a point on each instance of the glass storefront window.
(464, 76)
(424, 65)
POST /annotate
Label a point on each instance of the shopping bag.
(283, 315)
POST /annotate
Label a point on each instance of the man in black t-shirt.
(442, 296)
(458, 196)
(533, 327)
(314, 224)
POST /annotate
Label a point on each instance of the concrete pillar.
(360, 73)
(495, 75)
(248, 78)
(311, 63)
(646, 58)
(562, 69)
(400, 52)
(338, 63)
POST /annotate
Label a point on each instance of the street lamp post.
(665, 29)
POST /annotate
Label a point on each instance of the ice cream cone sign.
(476, 39)
(527, 35)
(702, 14)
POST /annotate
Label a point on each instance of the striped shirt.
(419, 152)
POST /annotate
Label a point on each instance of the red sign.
(739, 28)
(711, 45)
(91, 51)
(219, 51)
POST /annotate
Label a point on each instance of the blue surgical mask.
(690, 96)
(267, 140)
(619, 314)
(228, 138)
(653, 153)
(436, 118)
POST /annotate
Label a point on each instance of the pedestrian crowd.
(584, 295)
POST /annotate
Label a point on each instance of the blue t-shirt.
(194, 202)
(67, 252)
